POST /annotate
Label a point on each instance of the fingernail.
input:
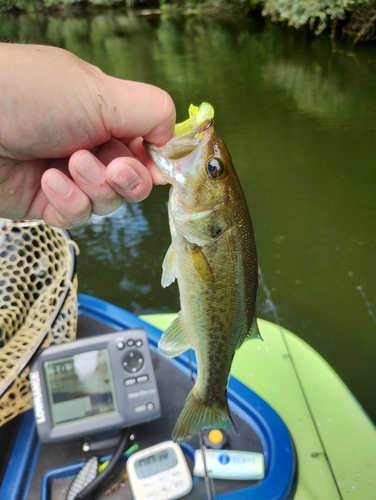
(89, 169)
(126, 178)
(58, 183)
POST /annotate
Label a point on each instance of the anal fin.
(175, 340)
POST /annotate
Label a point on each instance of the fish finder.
(93, 385)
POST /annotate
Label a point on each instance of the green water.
(298, 116)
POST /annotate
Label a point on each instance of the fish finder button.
(133, 361)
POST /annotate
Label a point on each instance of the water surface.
(298, 116)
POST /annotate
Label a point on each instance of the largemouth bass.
(213, 257)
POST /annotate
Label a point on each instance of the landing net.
(38, 303)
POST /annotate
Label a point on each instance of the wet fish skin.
(213, 256)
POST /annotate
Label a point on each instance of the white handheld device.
(230, 464)
(159, 473)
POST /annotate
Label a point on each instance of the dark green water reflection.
(299, 121)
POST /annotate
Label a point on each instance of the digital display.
(155, 463)
(80, 387)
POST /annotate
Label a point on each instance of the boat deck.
(260, 429)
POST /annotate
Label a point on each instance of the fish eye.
(215, 168)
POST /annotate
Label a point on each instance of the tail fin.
(198, 414)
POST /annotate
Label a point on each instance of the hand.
(71, 136)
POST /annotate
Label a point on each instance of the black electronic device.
(93, 385)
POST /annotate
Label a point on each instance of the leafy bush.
(318, 14)
(360, 15)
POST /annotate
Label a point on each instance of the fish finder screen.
(80, 387)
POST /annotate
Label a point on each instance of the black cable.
(87, 492)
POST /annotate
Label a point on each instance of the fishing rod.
(371, 312)
(273, 309)
(209, 483)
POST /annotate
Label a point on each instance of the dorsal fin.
(253, 333)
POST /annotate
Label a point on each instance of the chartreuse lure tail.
(197, 115)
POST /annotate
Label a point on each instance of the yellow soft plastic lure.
(197, 115)
(129, 451)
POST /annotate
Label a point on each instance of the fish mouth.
(178, 148)
(181, 145)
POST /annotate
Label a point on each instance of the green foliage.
(40, 5)
(318, 14)
(58, 3)
(23, 5)
(198, 3)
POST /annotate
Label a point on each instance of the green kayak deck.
(335, 440)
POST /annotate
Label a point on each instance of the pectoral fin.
(174, 340)
(169, 267)
(193, 227)
(202, 265)
(197, 227)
